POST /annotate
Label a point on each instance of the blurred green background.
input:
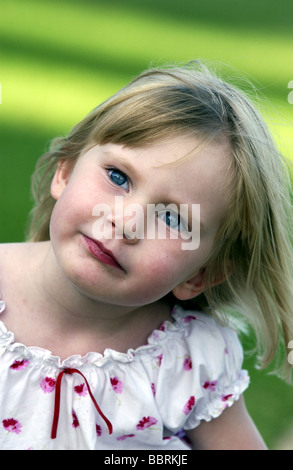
(59, 59)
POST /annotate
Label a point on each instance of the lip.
(100, 252)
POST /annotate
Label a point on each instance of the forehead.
(202, 166)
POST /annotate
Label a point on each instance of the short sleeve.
(201, 371)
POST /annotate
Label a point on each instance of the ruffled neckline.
(156, 339)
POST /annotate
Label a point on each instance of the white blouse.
(190, 370)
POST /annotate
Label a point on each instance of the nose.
(128, 222)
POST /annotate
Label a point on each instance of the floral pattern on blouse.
(12, 425)
(192, 361)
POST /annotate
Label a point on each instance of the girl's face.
(100, 220)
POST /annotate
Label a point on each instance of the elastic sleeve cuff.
(205, 411)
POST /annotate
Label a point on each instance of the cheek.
(161, 268)
(66, 213)
(166, 266)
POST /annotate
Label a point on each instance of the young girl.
(113, 339)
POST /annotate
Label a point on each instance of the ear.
(194, 286)
(60, 179)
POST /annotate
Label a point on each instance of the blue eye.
(119, 178)
(172, 220)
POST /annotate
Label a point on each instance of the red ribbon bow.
(57, 401)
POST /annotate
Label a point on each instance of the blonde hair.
(252, 248)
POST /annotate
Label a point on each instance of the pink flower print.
(19, 365)
(153, 387)
(189, 405)
(48, 384)
(146, 422)
(162, 326)
(125, 436)
(81, 390)
(117, 385)
(226, 350)
(226, 397)
(75, 422)
(188, 318)
(187, 363)
(98, 430)
(12, 425)
(210, 385)
(159, 357)
(155, 335)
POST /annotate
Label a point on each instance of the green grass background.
(59, 59)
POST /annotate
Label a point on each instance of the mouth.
(100, 252)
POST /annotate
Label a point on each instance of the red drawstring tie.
(57, 401)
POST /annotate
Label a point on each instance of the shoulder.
(15, 262)
(9, 249)
(199, 344)
(11, 257)
(11, 252)
(7, 257)
(11, 268)
(207, 337)
(200, 369)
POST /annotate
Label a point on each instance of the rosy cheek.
(159, 270)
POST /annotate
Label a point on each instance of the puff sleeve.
(201, 371)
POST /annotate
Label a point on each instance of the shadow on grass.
(263, 16)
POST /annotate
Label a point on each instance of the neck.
(65, 307)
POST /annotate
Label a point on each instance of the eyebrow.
(131, 169)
